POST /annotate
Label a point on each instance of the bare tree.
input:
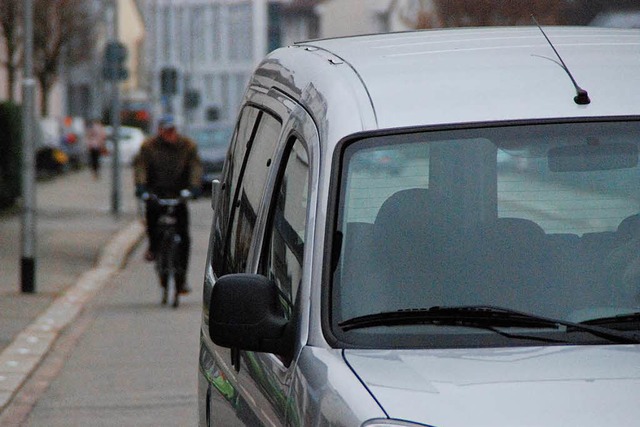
(10, 29)
(465, 13)
(63, 30)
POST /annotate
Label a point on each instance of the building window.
(241, 32)
(275, 25)
(217, 32)
(197, 29)
(166, 29)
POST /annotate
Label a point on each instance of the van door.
(278, 253)
(281, 259)
(237, 209)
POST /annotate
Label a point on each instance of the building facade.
(80, 89)
(213, 46)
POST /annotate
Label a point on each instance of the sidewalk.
(79, 245)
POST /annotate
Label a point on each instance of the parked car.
(50, 158)
(213, 144)
(136, 113)
(51, 129)
(472, 288)
(131, 139)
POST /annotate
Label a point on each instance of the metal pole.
(115, 124)
(28, 261)
(260, 37)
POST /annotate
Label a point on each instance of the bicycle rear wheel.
(164, 262)
(177, 277)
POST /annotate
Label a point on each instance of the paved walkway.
(80, 244)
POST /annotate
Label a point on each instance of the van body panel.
(491, 387)
(533, 191)
(475, 75)
(339, 396)
(325, 86)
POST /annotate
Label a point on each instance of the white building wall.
(350, 17)
(213, 44)
(404, 14)
(131, 33)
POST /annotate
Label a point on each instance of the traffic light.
(115, 55)
(212, 113)
(168, 81)
(191, 99)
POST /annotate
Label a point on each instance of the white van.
(436, 228)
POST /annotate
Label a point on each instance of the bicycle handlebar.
(184, 196)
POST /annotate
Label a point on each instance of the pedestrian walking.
(96, 142)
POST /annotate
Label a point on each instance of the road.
(128, 360)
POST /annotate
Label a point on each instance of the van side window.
(284, 242)
(230, 177)
(249, 194)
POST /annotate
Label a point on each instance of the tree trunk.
(11, 81)
(45, 88)
(10, 26)
(11, 65)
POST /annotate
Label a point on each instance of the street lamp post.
(115, 125)
(28, 261)
(115, 111)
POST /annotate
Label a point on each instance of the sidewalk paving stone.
(80, 243)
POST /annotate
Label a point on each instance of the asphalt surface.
(80, 246)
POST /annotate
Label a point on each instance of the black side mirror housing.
(245, 313)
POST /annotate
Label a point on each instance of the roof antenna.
(582, 96)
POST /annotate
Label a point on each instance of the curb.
(31, 345)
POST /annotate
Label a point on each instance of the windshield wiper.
(627, 321)
(481, 316)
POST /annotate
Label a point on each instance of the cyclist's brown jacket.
(165, 168)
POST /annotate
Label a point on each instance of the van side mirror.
(245, 313)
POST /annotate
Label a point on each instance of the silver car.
(492, 279)
(213, 143)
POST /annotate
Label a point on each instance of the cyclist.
(167, 164)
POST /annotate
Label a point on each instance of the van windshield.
(541, 219)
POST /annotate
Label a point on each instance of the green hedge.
(10, 153)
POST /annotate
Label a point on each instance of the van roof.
(469, 75)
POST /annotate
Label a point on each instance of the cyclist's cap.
(167, 122)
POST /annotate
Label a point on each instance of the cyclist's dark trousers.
(153, 212)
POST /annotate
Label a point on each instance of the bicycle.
(170, 246)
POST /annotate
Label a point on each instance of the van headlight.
(387, 422)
